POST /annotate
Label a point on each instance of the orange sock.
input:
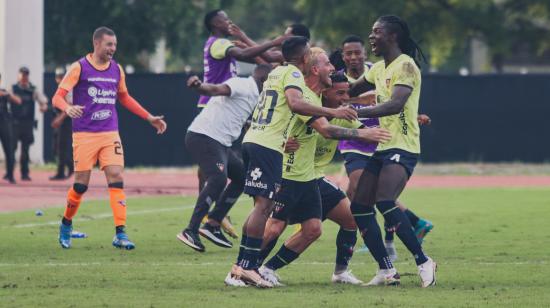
(118, 205)
(73, 202)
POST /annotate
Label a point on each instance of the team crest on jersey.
(221, 166)
(388, 82)
(296, 74)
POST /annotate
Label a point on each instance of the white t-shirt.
(224, 116)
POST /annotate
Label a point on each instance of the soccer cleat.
(233, 277)
(270, 276)
(422, 228)
(191, 239)
(385, 277)
(426, 271)
(215, 235)
(345, 277)
(227, 226)
(390, 249)
(254, 278)
(122, 241)
(65, 235)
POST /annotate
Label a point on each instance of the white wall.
(22, 44)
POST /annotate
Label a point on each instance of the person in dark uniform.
(6, 131)
(23, 117)
(63, 140)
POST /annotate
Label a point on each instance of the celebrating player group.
(297, 109)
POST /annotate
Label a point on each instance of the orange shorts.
(89, 148)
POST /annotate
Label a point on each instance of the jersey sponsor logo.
(93, 79)
(256, 174)
(296, 75)
(100, 96)
(388, 81)
(396, 157)
(404, 126)
(101, 115)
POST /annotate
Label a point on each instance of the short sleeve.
(71, 77)
(407, 75)
(369, 76)
(294, 80)
(236, 85)
(218, 49)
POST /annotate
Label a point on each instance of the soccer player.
(357, 154)
(397, 80)
(209, 139)
(97, 81)
(221, 55)
(299, 200)
(263, 147)
(335, 204)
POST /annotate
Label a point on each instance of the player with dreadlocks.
(397, 80)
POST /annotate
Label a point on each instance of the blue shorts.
(264, 170)
(392, 156)
(297, 202)
(331, 195)
(355, 161)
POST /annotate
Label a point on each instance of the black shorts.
(331, 195)
(355, 161)
(297, 202)
(264, 170)
(392, 156)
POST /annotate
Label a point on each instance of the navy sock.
(365, 218)
(345, 242)
(283, 257)
(412, 217)
(403, 227)
(66, 222)
(389, 232)
(250, 253)
(244, 238)
(266, 251)
(119, 229)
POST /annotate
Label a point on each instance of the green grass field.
(491, 246)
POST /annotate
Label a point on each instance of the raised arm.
(208, 89)
(270, 56)
(396, 103)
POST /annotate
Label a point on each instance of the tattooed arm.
(330, 131)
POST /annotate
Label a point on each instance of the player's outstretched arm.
(398, 99)
(208, 89)
(329, 131)
(297, 104)
(269, 56)
(248, 54)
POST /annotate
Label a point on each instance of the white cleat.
(385, 277)
(233, 278)
(270, 276)
(392, 252)
(346, 277)
(426, 271)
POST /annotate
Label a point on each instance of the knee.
(80, 188)
(115, 176)
(312, 232)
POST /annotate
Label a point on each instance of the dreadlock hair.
(336, 60)
(407, 45)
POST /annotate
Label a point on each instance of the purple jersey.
(97, 92)
(346, 146)
(216, 71)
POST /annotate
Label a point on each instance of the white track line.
(108, 215)
(84, 264)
